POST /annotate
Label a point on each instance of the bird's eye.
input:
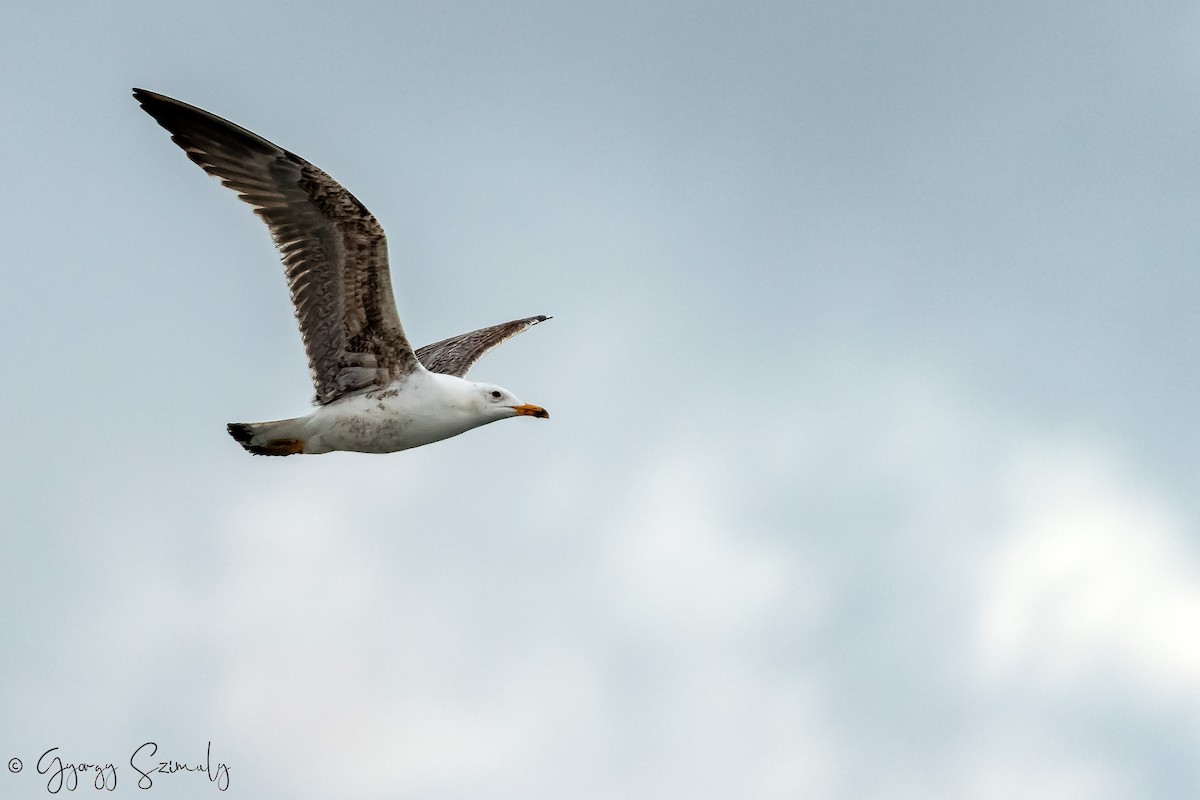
(496, 394)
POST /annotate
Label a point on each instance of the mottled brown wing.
(456, 355)
(334, 252)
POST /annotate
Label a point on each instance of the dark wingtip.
(241, 432)
(152, 103)
(144, 96)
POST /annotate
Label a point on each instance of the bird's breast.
(391, 419)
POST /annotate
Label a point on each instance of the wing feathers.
(456, 355)
(334, 254)
(334, 251)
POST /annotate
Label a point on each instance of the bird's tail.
(280, 438)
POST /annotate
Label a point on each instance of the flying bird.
(374, 393)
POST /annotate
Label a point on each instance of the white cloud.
(699, 626)
(1092, 573)
(1036, 767)
(390, 679)
(682, 558)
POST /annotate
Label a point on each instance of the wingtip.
(147, 98)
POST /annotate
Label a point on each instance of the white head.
(496, 402)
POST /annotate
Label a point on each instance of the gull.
(374, 393)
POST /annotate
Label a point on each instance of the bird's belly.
(382, 425)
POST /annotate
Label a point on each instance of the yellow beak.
(530, 410)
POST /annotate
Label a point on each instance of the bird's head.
(498, 403)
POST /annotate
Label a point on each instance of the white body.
(426, 407)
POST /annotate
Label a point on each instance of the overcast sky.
(872, 467)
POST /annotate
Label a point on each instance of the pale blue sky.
(872, 463)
